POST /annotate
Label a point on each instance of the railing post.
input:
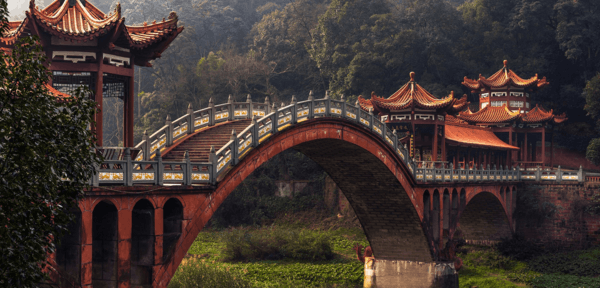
(467, 172)
(96, 173)
(249, 101)
(275, 118)
(230, 102)
(580, 174)
(558, 174)
(267, 104)
(538, 174)
(127, 170)
(294, 116)
(211, 118)
(146, 148)
(451, 166)
(344, 107)
(311, 105)
(188, 169)
(254, 132)
(190, 121)
(384, 131)
(394, 139)
(518, 172)
(169, 131)
(371, 119)
(234, 156)
(358, 110)
(159, 168)
(327, 104)
(212, 158)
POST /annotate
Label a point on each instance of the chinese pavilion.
(415, 111)
(92, 49)
(504, 101)
(446, 130)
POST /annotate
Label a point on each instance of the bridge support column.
(86, 248)
(124, 249)
(412, 274)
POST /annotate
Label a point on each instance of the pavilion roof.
(504, 78)
(79, 21)
(411, 96)
(539, 114)
(490, 114)
(473, 136)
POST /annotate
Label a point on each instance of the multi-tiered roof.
(505, 78)
(68, 22)
(412, 96)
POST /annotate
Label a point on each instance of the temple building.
(444, 130)
(92, 49)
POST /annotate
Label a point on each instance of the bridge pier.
(411, 274)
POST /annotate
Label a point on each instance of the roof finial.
(505, 62)
(412, 76)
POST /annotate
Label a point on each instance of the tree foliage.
(592, 106)
(45, 162)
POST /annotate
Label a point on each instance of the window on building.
(516, 104)
(498, 103)
(484, 104)
(516, 94)
(498, 94)
(527, 104)
(485, 95)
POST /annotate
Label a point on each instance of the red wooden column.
(543, 146)
(510, 152)
(444, 143)
(552, 150)
(98, 97)
(435, 143)
(525, 148)
(128, 106)
(124, 249)
(86, 248)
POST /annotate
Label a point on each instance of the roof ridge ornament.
(412, 76)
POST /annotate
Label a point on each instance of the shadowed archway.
(485, 219)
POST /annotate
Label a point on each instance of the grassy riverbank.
(294, 254)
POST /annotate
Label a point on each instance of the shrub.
(561, 281)
(518, 248)
(195, 273)
(275, 244)
(574, 263)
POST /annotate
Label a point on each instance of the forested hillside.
(281, 48)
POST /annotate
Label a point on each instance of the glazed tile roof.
(473, 136)
(85, 22)
(490, 114)
(505, 77)
(539, 114)
(409, 96)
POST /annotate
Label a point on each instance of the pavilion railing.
(149, 168)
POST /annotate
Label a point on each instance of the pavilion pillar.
(525, 148)
(478, 157)
(128, 116)
(468, 156)
(444, 144)
(552, 150)
(435, 144)
(98, 98)
(509, 152)
(158, 240)
(543, 146)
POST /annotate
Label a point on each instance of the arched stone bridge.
(142, 215)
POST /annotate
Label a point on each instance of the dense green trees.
(358, 46)
(45, 161)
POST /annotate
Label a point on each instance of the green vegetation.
(307, 250)
(46, 161)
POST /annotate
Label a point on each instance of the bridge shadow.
(484, 220)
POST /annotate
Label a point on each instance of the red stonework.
(570, 227)
(371, 176)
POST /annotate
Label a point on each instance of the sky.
(16, 8)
